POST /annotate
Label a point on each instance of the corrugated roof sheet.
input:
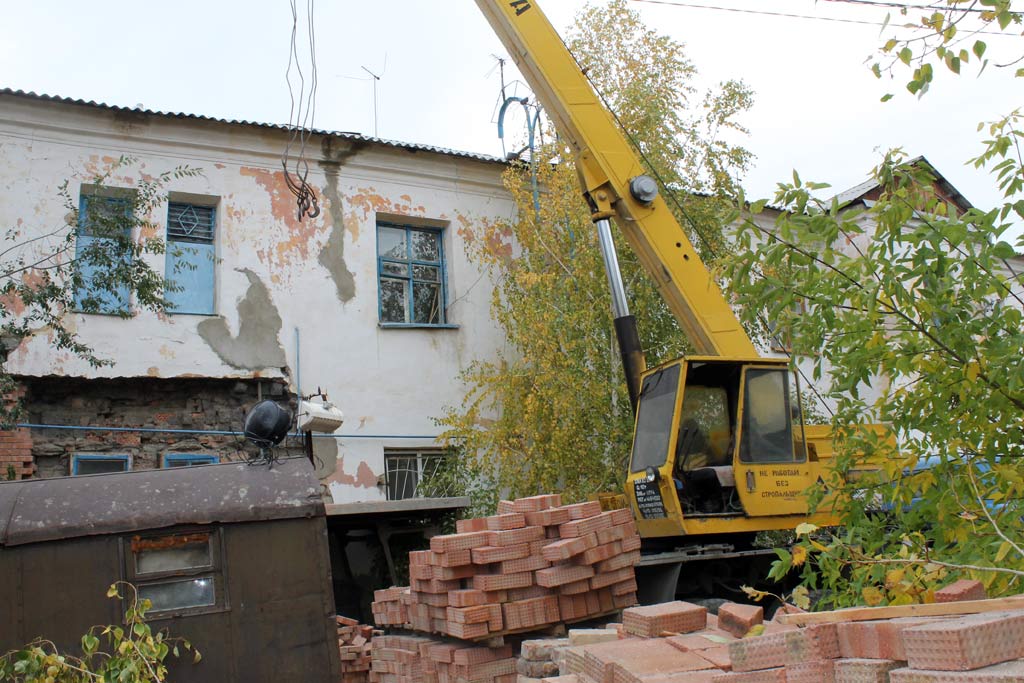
(37, 510)
(414, 147)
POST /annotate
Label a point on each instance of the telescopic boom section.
(606, 163)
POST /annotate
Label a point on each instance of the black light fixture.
(267, 424)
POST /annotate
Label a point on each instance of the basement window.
(189, 459)
(99, 464)
(179, 573)
(415, 473)
(191, 257)
(410, 276)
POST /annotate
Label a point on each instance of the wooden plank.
(938, 609)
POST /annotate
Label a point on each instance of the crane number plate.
(648, 499)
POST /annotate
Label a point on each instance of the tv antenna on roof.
(376, 78)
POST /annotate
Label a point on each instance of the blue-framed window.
(191, 257)
(189, 459)
(98, 219)
(410, 274)
(99, 464)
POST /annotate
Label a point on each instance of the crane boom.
(606, 163)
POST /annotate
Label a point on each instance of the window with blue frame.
(191, 258)
(99, 464)
(99, 220)
(410, 271)
(189, 459)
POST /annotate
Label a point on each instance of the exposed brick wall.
(16, 454)
(146, 402)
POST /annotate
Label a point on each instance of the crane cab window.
(654, 419)
(767, 434)
(704, 431)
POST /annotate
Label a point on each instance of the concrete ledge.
(397, 506)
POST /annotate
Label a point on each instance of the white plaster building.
(285, 305)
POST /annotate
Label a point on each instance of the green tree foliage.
(911, 314)
(45, 274)
(127, 653)
(552, 413)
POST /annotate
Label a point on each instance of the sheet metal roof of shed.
(413, 147)
(37, 510)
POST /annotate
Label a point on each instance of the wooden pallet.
(937, 609)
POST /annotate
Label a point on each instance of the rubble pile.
(535, 563)
(354, 644)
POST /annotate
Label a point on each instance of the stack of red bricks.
(418, 659)
(354, 643)
(389, 607)
(537, 562)
(975, 648)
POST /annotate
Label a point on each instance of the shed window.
(177, 572)
(191, 258)
(410, 267)
(99, 464)
(189, 459)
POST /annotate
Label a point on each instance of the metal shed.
(233, 556)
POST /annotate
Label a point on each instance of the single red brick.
(468, 615)
(610, 534)
(718, 656)
(621, 516)
(967, 642)
(606, 579)
(619, 561)
(511, 520)
(624, 587)
(563, 573)
(549, 517)
(575, 587)
(469, 525)
(701, 640)
(451, 558)
(419, 557)
(496, 582)
(466, 598)
(759, 652)
(515, 536)
(527, 593)
(568, 547)
(469, 656)
(964, 589)
(450, 542)
(421, 571)
(631, 543)
(591, 508)
(531, 504)
(466, 631)
(675, 617)
(489, 554)
(526, 564)
(864, 670)
(738, 619)
(434, 586)
(505, 507)
(814, 671)
(586, 525)
(1008, 672)
(599, 553)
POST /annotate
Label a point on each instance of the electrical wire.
(300, 118)
(904, 5)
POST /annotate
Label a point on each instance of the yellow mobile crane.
(720, 451)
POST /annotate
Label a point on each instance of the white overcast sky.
(817, 105)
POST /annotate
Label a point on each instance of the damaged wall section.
(193, 404)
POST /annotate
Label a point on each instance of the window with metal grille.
(191, 257)
(406, 471)
(410, 267)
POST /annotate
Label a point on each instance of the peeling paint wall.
(286, 289)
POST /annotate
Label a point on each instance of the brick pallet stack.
(419, 659)
(354, 647)
(533, 564)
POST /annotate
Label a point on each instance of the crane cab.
(719, 446)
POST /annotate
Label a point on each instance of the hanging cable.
(301, 117)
